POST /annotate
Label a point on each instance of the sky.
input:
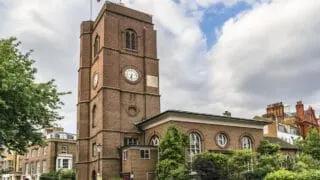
(215, 55)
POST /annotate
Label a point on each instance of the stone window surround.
(154, 140)
(195, 147)
(130, 40)
(144, 153)
(125, 155)
(227, 139)
(61, 158)
(251, 139)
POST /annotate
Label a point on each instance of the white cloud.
(268, 54)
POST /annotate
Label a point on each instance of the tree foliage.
(240, 163)
(59, 175)
(281, 175)
(25, 105)
(311, 144)
(267, 148)
(269, 159)
(211, 165)
(172, 162)
(290, 175)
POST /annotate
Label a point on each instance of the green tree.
(172, 162)
(289, 175)
(25, 105)
(311, 144)
(240, 164)
(305, 162)
(67, 175)
(59, 175)
(211, 165)
(267, 148)
(49, 176)
(282, 175)
(269, 159)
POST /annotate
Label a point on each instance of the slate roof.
(283, 144)
(201, 115)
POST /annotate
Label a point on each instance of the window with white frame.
(131, 141)
(10, 164)
(125, 155)
(44, 166)
(65, 163)
(246, 142)
(33, 168)
(221, 140)
(59, 164)
(195, 144)
(27, 169)
(38, 167)
(145, 153)
(154, 141)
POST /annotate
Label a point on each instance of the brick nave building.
(119, 123)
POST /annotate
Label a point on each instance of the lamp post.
(99, 149)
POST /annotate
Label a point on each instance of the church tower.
(118, 85)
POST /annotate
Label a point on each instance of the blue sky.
(216, 15)
(215, 55)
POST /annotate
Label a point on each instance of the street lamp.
(99, 149)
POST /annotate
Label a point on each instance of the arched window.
(195, 144)
(154, 141)
(131, 39)
(94, 116)
(246, 142)
(96, 46)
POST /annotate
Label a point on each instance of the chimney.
(269, 109)
(281, 110)
(276, 109)
(300, 110)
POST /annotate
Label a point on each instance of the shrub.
(289, 175)
(282, 175)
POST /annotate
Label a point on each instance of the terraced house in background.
(11, 165)
(58, 154)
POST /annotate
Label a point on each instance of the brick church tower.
(118, 85)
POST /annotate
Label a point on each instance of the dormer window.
(96, 46)
(131, 40)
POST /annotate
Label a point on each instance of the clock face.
(95, 80)
(131, 75)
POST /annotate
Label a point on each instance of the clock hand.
(131, 76)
